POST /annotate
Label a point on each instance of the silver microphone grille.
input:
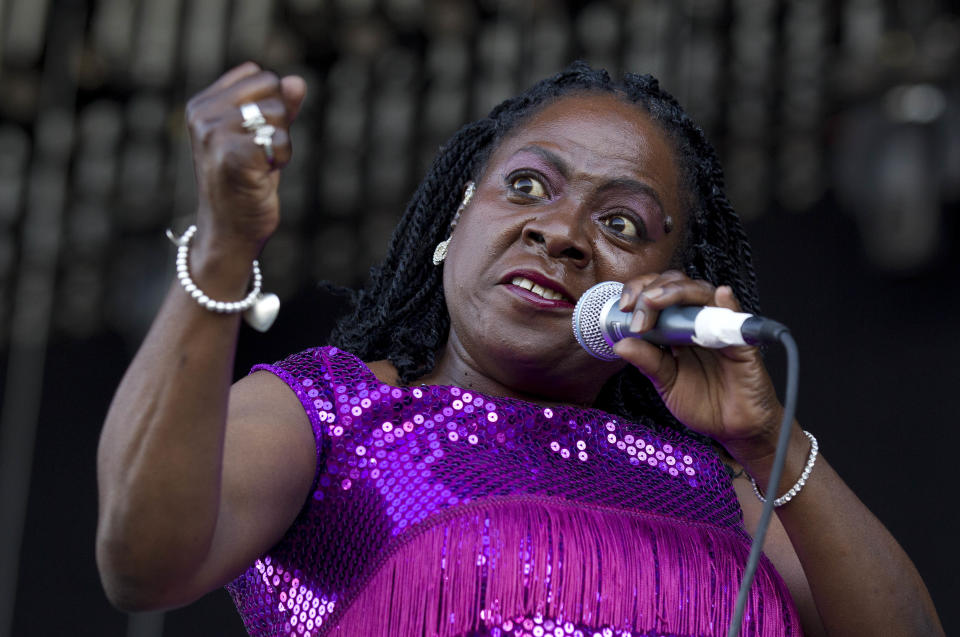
(586, 319)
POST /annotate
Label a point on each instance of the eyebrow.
(551, 158)
(634, 186)
(620, 183)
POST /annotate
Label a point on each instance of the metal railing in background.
(44, 195)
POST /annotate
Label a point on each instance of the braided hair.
(401, 314)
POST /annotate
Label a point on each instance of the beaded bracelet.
(804, 475)
(259, 310)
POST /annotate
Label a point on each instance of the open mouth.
(538, 288)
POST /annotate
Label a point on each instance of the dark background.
(838, 122)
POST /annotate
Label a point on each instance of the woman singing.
(453, 463)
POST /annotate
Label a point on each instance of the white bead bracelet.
(804, 475)
(259, 309)
(183, 273)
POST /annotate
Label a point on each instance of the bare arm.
(196, 479)
(778, 549)
(833, 551)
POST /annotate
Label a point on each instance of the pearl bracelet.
(259, 309)
(804, 475)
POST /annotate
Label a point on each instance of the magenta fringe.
(588, 565)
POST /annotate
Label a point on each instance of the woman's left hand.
(723, 393)
(828, 537)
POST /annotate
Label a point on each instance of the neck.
(516, 380)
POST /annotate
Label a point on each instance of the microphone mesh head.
(586, 319)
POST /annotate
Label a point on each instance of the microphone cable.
(756, 547)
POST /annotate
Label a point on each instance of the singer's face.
(582, 192)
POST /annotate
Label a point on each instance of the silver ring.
(253, 117)
(263, 137)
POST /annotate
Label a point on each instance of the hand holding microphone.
(707, 378)
(599, 323)
(727, 397)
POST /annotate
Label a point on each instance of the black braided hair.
(401, 314)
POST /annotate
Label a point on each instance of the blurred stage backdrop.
(839, 125)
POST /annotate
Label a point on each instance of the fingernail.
(653, 293)
(636, 322)
(625, 300)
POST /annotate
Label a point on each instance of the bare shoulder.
(269, 462)
(262, 394)
(269, 450)
(267, 428)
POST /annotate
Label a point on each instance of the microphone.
(598, 323)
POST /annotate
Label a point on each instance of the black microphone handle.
(676, 326)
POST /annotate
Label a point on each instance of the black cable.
(789, 409)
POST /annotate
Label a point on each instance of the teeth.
(527, 284)
(521, 282)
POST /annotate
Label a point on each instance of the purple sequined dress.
(440, 511)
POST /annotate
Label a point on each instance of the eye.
(622, 225)
(529, 186)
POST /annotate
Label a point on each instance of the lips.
(536, 286)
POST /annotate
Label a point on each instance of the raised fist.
(237, 154)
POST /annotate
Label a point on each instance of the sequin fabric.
(440, 511)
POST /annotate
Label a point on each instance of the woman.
(482, 474)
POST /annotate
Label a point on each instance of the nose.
(560, 235)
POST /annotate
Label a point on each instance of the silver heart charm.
(263, 312)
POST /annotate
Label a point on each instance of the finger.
(215, 106)
(655, 363)
(666, 292)
(273, 152)
(280, 149)
(201, 102)
(726, 298)
(252, 88)
(293, 88)
(232, 76)
(245, 165)
(670, 290)
(273, 110)
(633, 288)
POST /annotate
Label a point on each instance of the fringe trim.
(503, 558)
